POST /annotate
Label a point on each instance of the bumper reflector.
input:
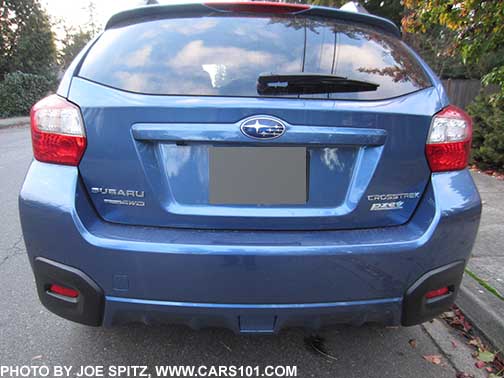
(437, 293)
(64, 291)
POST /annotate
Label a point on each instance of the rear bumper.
(252, 281)
(241, 318)
(252, 318)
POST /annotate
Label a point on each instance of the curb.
(459, 355)
(484, 309)
(15, 121)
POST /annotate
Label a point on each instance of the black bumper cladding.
(87, 308)
(417, 308)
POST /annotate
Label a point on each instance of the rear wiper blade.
(307, 83)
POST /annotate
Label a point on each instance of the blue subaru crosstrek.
(252, 166)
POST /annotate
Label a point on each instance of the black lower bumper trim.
(87, 308)
(417, 308)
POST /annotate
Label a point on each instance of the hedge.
(19, 91)
(488, 133)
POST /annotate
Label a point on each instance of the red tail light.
(57, 131)
(449, 142)
(257, 7)
(64, 291)
(437, 293)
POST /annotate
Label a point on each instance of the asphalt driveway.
(30, 335)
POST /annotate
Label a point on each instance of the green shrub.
(488, 134)
(19, 91)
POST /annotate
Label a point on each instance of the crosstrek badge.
(393, 197)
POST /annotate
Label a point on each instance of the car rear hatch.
(180, 133)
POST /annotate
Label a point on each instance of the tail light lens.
(57, 131)
(449, 142)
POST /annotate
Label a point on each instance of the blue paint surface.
(180, 258)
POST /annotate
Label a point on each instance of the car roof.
(195, 9)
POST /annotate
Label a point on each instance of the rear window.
(224, 56)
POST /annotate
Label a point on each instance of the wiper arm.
(306, 83)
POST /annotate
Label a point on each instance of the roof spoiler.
(352, 12)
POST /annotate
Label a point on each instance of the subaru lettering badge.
(262, 127)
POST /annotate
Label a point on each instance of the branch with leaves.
(478, 25)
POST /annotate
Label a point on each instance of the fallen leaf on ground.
(317, 344)
(454, 344)
(434, 358)
(479, 364)
(448, 314)
(477, 343)
(467, 326)
(486, 356)
(412, 342)
(461, 374)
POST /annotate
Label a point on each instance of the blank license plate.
(258, 176)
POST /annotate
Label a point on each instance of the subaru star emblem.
(263, 127)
